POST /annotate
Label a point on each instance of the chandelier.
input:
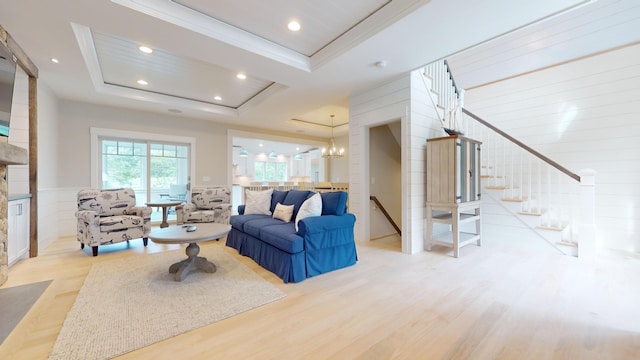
(330, 150)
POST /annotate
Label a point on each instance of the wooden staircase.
(534, 189)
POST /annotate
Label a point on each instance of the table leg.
(164, 223)
(182, 268)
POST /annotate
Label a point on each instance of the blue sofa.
(321, 244)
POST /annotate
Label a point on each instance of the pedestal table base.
(182, 268)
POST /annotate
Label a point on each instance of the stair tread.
(552, 228)
(514, 199)
(530, 213)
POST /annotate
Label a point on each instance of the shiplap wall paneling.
(18, 175)
(584, 115)
(378, 106)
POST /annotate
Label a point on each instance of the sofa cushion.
(283, 212)
(277, 197)
(210, 198)
(258, 202)
(310, 207)
(106, 202)
(253, 227)
(334, 202)
(202, 216)
(296, 198)
(238, 221)
(283, 237)
(119, 222)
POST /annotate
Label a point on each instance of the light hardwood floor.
(497, 301)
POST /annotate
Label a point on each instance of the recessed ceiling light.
(241, 76)
(145, 49)
(294, 26)
(54, 60)
(217, 98)
(142, 82)
(260, 144)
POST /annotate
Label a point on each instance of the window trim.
(96, 152)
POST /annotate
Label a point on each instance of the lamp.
(244, 152)
(330, 151)
(273, 155)
(298, 157)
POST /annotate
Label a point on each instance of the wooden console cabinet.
(453, 192)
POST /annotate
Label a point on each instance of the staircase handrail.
(386, 214)
(523, 146)
(453, 80)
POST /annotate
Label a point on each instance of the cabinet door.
(468, 171)
(17, 229)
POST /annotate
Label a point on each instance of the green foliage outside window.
(270, 171)
(124, 164)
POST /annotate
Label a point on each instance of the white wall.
(52, 204)
(18, 175)
(339, 168)
(213, 150)
(405, 99)
(77, 118)
(583, 115)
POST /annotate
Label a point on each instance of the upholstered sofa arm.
(91, 218)
(223, 213)
(225, 208)
(183, 211)
(88, 227)
(327, 231)
(143, 211)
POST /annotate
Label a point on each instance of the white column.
(587, 244)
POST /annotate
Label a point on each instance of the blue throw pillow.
(334, 202)
(277, 197)
(296, 198)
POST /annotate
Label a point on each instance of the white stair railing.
(535, 189)
(536, 192)
(448, 98)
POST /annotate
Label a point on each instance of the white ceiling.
(200, 46)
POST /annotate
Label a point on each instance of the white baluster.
(539, 200)
(549, 210)
(511, 177)
(520, 177)
(530, 190)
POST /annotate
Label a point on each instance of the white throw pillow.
(258, 202)
(283, 212)
(310, 207)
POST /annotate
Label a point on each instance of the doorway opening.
(385, 187)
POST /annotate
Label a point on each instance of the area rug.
(127, 304)
(15, 302)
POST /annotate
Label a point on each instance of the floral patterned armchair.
(208, 204)
(111, 216)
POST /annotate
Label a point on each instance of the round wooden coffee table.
(179, 235)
